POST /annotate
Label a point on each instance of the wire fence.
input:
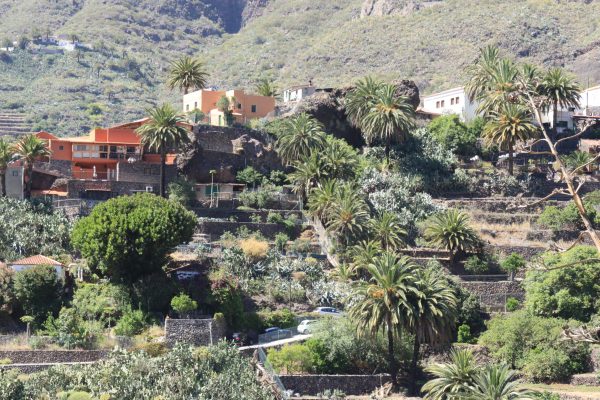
(262, 357)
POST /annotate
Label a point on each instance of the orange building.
(244, 107)
(96, 156)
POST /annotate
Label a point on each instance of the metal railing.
(271, 373)
(279, 334)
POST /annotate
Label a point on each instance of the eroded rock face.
(329, 109)
(379, 8)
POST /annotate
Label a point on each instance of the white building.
(451, 101)
(297, 93)
(590, 102)
(30, 262)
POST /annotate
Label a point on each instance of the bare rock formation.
(379, 8)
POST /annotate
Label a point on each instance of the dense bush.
(254, 249)
(291, 359)
(265, 196)
(27, 229)
(130, 237)
(38, 291)
(567, 218)
(528, 342)
(70, 330)
(183, 304)
(6, 286)
(476, 265)
(131, 323)
(218, 372)
(513, 263)
(455, 135)
(283, 318)
(182, 191)
(102, 302)
(570, 292)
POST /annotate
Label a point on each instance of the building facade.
(451, 101)
(243, 107)
(297, 93)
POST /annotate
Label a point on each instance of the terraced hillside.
(13, 124)
(131, 43)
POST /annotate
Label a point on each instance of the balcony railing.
(96, 176)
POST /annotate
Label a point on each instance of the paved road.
(276, 343)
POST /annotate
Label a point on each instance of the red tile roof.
(36, 260)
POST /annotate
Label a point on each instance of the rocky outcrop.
(379, 8)
(329, 109)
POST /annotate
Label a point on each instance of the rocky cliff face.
(378, 8)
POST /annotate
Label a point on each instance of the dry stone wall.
(198, 332)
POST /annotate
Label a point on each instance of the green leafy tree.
(386, 228)
(560, 90)
(455, 135)
(182, 304)
(129, 237)
(300, 136)
(6, 286)
(569, 293)
(38, 291)
(513, 263)
(187, 73)
(291, 359)
(450, 230)
(508, 125)
(182, 191)
(164, 131)
(249, 176)
(453, 379)
(385, 301)
(30, 149)
(5, 157)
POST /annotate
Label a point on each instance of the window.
(130, 149)
(239, 106)
(442, 103)
(253, 108)
(195, 105)
(187, 107)
(15, 173)
(61, 148)
(457, 100)
(437, 104)
(452, 101)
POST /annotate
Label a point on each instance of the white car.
(304, 326)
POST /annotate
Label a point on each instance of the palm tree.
(322, 198)
(450, 230)
(507, 125)
(162, 132)
(560, 90)
(29, 149)
(266, 87)
(349, 215)
(453, 380)
(360, 100)
(364, 252)
(301, 135)
(340, 160)
(435, 310)
(385, 301)
(5, 157)
(187, 73)
(389, 119)
(498, 383)
(386, 228)
(480, 72)
(307, 173)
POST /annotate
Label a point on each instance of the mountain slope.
(331, 42)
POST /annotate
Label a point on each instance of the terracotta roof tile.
(36, 260)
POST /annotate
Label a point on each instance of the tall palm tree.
(480, 72)
(453, 380)
(560, 90)
(498, 382)
(385, 301)
(164, 131)
(187, 73)
(360, 100)
(29, 149)
(507, 125)
(307, 174)
(266, 87)
(322, 199)
(364, 252)
(450, 230)
(5, 157)
(389, 118)
(349, 215)
(301, 135)
(386, 228)
(435, 311)
(339, 158)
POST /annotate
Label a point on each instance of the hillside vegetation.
(290, 41)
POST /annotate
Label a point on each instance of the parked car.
(304, 326)
(327, 311)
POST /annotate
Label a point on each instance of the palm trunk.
(569, 181)
(3, 183)
(414, 365)
(555, 119)
(163, 162)
(29, 170)
(510, 159)
(391, 356)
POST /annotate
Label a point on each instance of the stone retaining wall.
(217, 228)
(52, 356)
(199, 332)
(528, 252)
(493, 288)
(354, 385)
(239, 215)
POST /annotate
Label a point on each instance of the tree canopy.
(129, 237)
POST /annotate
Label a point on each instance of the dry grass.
(254, 248)
(181, 256)
(513, 227)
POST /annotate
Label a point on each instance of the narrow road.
(276, 343)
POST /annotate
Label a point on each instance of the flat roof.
(445, 91)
